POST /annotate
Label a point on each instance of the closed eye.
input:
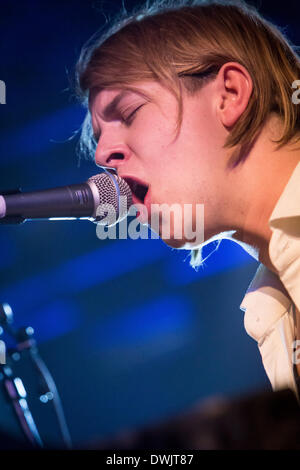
(129, 119)
(125, 120)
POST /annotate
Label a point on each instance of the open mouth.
(138, 189)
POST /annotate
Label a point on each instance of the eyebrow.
(110, 108)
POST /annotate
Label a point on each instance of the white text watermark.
(2, 92)
(296, 94)
(165, 221)
(2, 352)
(296, 352)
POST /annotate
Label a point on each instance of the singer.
(191, 103)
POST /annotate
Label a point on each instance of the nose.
(111, 154)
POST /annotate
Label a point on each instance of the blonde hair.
(185, 43)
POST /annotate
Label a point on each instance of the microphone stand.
(17, 394)
(15, 387)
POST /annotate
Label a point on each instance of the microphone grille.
(110, 187)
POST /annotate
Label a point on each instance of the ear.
(234, 88)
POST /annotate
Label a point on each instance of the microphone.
(105, 190)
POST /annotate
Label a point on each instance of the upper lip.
(139, 188)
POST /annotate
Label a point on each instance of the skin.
(193, 167)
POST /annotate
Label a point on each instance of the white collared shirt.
(272, 302)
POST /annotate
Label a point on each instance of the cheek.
(142, 137)
(151, 142)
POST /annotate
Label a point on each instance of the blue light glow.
(83, 272)
(147, 323)
(228, 256)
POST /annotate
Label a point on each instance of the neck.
(259, 182)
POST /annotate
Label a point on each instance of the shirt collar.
(284, 246)
(288, 205)
(265, 301)
(267, 297)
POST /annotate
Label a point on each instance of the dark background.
(130, 332)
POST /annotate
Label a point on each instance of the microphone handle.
(75, 200)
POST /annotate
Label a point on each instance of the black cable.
(47, 377)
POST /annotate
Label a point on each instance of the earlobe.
(235, 88)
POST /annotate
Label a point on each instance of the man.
(191, 102)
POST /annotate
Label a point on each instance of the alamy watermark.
(296, 94)
(165, 221)
(181, 221)
(296, 352)
(2, 92)
(2, 352)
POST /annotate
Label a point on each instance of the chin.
(179, 244)
(170, 239)
(167, 235)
